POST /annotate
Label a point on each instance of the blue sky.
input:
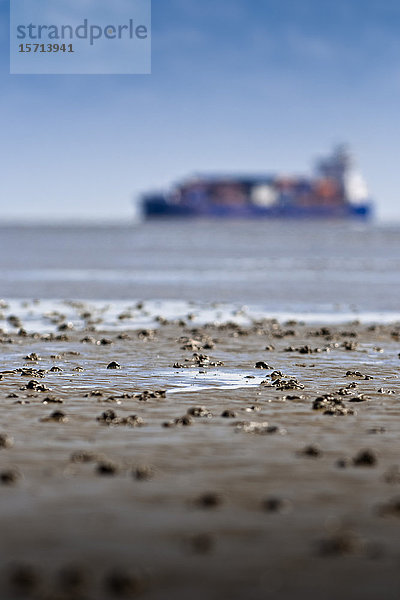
(252, 85)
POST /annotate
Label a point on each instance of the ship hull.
(162, 210)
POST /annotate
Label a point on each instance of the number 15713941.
(46, 48)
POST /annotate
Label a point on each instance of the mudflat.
(201, 461)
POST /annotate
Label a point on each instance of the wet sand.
(231, 481)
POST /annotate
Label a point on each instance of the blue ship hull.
(159, 208)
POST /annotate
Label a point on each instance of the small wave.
(45, 316)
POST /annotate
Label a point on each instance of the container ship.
(335, 191)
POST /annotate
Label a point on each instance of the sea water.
(220, 270)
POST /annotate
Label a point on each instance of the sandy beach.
(203, 461)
